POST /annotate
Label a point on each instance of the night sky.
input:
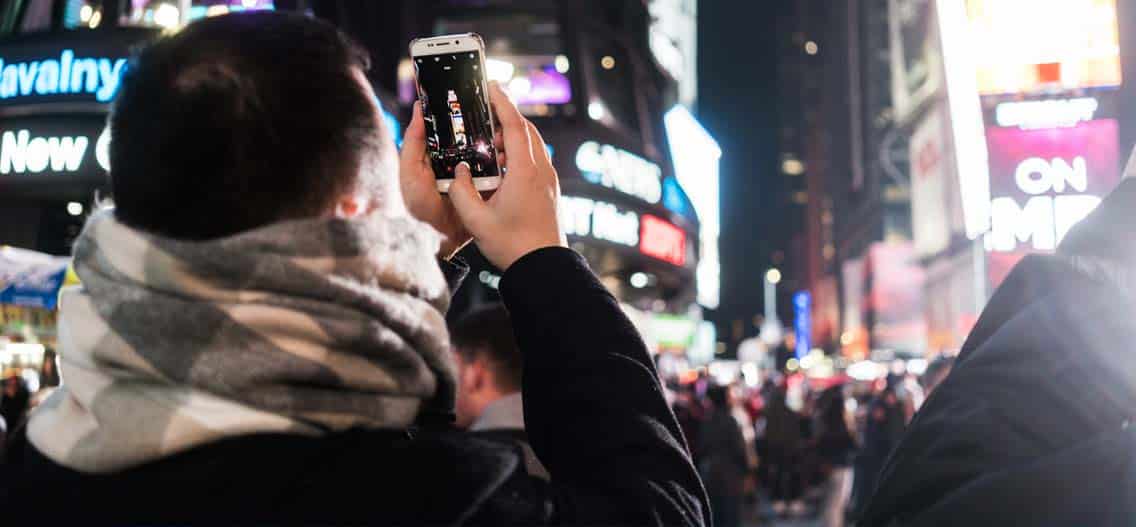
(737, 102)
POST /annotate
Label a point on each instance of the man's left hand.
(420, 190)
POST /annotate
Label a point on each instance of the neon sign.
(33, 149)
(598, 219)
(620, 170)
(66, 75)
(661, 239)
(1054, 113)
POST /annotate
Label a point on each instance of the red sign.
(660, 239)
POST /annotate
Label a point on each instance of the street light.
(773, 276)
(771, 329)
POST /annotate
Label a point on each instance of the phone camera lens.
(455, 42)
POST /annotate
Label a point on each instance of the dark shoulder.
(441, 478)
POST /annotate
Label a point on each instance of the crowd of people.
(790, 447)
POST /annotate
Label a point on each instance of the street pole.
(771, 329)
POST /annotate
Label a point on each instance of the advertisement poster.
(930, 184)
(1042, 182)
(895, 298)
(1032, 46)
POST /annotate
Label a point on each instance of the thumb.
(471, 209)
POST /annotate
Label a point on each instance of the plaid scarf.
(299, 327)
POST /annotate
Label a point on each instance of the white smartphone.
(452, 88)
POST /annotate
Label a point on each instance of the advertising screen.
(1031, 46)
(1042, 182)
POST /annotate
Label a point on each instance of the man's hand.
(420, 190)
(521, 216)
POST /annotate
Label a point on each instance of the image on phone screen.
(459, 124)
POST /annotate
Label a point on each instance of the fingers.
(540, 152)
(414, 139)
(513, 126)
(471, 209)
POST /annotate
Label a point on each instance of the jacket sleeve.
(594, 409)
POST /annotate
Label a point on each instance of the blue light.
(802, 324)
(675, 199)
(395, 127)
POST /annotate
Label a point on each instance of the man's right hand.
(520, 217)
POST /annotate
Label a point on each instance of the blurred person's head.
(244, 120)
(936, 373)
(721, 397)
(488, 360)
(11, 385)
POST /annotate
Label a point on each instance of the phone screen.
(459, 125)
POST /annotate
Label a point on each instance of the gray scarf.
(299, 327)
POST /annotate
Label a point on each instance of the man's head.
(489, 363)
(244, 120)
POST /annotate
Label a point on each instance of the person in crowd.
(1033, 424)
(936, 372)
(489, 380)
(784, 441)
(49, 372)
(260, 335)
(835, 448)
(723, 460)
(690, 412)
(14, 400)
(883, 428)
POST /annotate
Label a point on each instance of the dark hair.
(239, 121)
(488, 332)
(719, 396)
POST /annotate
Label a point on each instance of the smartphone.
(452, 88)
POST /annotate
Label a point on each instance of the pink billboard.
(1042, 182)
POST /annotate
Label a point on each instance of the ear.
(479, 372)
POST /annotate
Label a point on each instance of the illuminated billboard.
(1042, 182)
(695, 154)
(1033, 46)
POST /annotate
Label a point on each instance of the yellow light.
(773, 276)
(608, 62)
(792, 365)
(811, 48)
(96, 17)
(846, 338)
(793, 167)
(216, 10)
(85, 13)
(166, 15)
(562, 64)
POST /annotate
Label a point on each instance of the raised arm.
(594, 410)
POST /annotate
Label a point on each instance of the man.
(259, 337)
(489, 381)
(1032, 425)
(14, 399)
(722, 459)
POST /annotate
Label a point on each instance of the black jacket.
(594, 411)
(1032, 427)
